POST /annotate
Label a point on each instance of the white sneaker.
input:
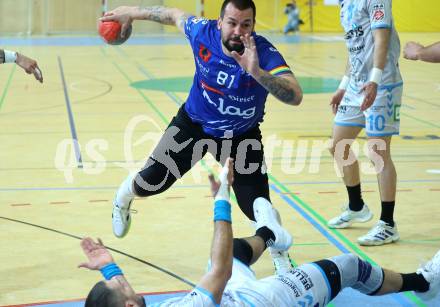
(280, 258)
(380, 234)
(349, 217)
(121, 219)
(265, 216)
(431, 272)
(281, 261)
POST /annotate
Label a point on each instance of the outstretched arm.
(416, 51)
(29, 65)
(125, 15)
(221, 251)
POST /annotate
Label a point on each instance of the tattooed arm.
(164, 15)
(285, 87)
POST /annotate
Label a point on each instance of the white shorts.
(381, 119)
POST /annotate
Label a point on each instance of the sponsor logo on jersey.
(378, 12)
(356, 49)
(377, 108)
(204, 53)
(204, 70)
(229, 110)
(357, 31)
(397, 113)
(342, 109)
(291, 284)
(227, 64)
(199, 19)
(304, 278)
(241, 99)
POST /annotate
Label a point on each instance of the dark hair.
(103, 296)
(239, 4)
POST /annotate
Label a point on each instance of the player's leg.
(382, 121)
(175, 154)
(349, 121)
(269, 233)
(248, 250)
(373, 280)
(251, 182)
(250, 177)
(385, 231)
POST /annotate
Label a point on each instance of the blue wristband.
(222, 211)
(110, 270)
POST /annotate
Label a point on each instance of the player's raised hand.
(226, 176)
(370, 92)
(30, 66)
(123, 14)
(248, 60)
(336, 100)
(96, 253)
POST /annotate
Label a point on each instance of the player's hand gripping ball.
(110, 31)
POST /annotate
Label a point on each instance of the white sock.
(125, 193)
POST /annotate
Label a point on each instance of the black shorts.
(184, 143)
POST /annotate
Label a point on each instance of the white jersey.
(360, 18)
(307, 285)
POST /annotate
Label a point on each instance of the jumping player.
(236, 69)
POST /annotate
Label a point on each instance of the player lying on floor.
(230, 281)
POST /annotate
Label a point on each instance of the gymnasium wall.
(409, 15)
(36, 17)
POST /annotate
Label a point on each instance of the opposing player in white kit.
(231, 282)
(369, 97)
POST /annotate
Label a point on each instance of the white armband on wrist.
(10, 56)
(376, 75)
(344, 83)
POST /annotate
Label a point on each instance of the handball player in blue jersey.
(236, 69)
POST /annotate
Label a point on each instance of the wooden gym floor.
(115, 101)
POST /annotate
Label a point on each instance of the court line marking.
(296, 200)
(60, 302)
(420, 120)
(422, 100)
(185, 186)
(150, 76)
(70, 115)
(397, 297)
(326, 234)
(6, 88)
(167, 272)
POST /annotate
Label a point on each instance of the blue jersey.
(224, 99)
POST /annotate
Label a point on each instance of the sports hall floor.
(115, 101)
